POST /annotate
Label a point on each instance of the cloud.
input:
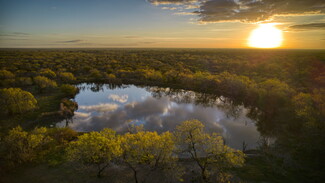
(71, 41)
(117, 98)
(15, 34)
(13, 39)
(306, 27)
(159, 2)
(100, 107)
(21, 33)
(185, 13)
(132, 37)
(247, 10)
(147, 42)
(169, 8)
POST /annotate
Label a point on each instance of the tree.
(16, 100)
(207, 151)
(24, 81)
(4, 74)
(95, 74)
(44, 82)
(48, 73)
(95, 148)
(147, 150)
(7, 78)
(22, 146)
(66, 77)
(69, 90)
(303, 105)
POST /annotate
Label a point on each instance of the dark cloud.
(16, 39)
(71, 41)
(305, 27)
(249, 10)
(15, 34)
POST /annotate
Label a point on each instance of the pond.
(160, 109)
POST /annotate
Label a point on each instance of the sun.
(265, 36)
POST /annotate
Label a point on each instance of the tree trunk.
(204, 176)
(135, 175)
(100, 170)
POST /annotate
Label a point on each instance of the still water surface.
(160, 109)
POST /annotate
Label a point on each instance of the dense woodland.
(284, 91)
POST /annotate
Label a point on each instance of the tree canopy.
(16, 101)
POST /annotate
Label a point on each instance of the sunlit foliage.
(44, 82)
(22, 146)
(48, 73)
(148, 150)
(69, 90)
(208, 151)
(16, 101)
(96, 149)
(66, 77)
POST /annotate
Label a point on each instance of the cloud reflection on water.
(164, 114)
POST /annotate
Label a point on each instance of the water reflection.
(161, 109)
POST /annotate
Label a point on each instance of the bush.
(69, 90)
(24, 81)
(16, 100)
(22, 146)
(4, 74)
(44, 82)
(48, 73)
(66, 77)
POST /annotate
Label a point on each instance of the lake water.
(160, 109)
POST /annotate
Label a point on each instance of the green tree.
(95, 149)
(69, 90)
(67, 108)
(207, 151)
(95, 74)
(24, 81)
(4, 74)
(303, 105)
(44, 82)
(144, 149)
(48, 73)
(16, 100)
(66, 77)
(7, 78)
(21, 146)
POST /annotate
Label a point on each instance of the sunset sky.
(157, 23)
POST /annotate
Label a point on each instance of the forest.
(284, 91)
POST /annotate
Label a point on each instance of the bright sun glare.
(265, 36)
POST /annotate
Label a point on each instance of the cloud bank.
(305, 27)
(210, 11)
(71, 41)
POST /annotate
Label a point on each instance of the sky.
(157, 23)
